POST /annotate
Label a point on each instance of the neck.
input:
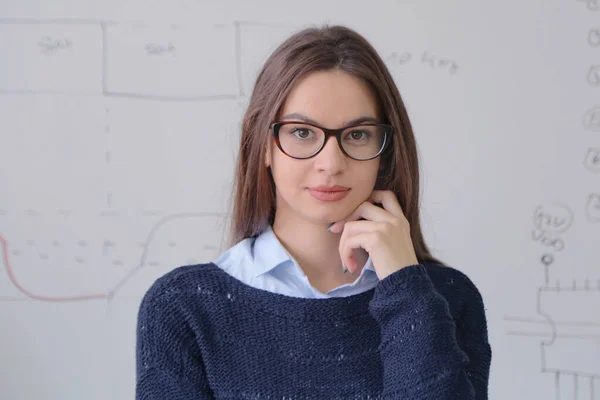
(315, 249)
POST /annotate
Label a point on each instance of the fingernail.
(329, 227)
(344, 269)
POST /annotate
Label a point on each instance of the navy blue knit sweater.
(421, 333)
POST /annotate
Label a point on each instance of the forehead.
(331, 98)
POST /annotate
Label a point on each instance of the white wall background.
(119, 123)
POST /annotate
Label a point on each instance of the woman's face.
(331, 99)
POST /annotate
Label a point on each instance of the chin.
(327, 213)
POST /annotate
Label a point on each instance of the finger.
(366, 211)
(351, 243)
(389, 201)
(347, 255)
(351, 228)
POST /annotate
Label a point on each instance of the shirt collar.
(269, 253)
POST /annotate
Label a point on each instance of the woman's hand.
(384, 234)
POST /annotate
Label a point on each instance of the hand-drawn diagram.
(112, 63)
(569, 348)
(152, 255)
(570, 345)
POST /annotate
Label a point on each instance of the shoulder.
(449, 276)
(179, 285)
(456, 286)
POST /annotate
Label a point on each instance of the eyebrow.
(313, 122)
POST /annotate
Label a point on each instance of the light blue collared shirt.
(264, 263)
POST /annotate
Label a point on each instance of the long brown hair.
(317, 49)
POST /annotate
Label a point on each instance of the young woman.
(328, 290)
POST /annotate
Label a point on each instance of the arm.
(472, 338)
(423, 353)
(168, 361)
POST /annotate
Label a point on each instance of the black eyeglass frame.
(388, 131)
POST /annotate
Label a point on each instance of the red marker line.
(22, 289)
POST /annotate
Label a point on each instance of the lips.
(328, 193)
(324, 188)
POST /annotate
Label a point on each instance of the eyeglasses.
(301, 140)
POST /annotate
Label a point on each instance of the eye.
(358, 135)
(301, 133)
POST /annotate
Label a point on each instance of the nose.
(331, 159)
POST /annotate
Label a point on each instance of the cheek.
(286, 173)
(366, 173)
(365, 179)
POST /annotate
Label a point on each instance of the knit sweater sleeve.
(168, 361)
(425, 354)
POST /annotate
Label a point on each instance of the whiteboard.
(119, 129)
